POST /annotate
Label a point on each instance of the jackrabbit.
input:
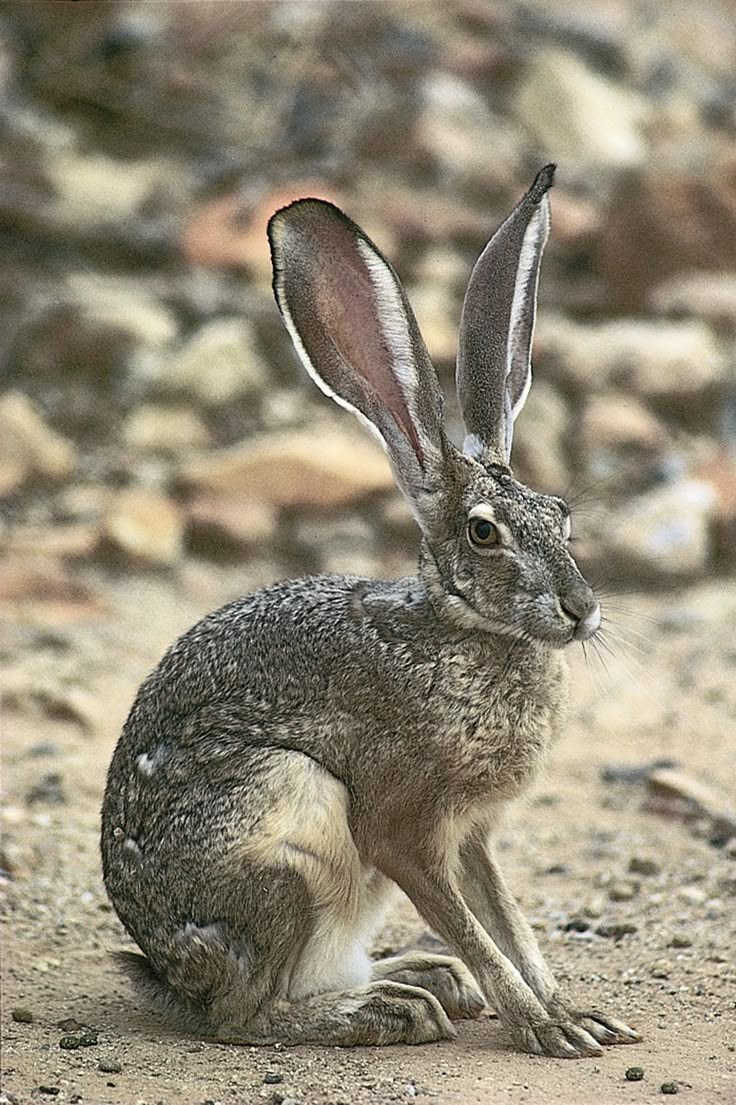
(301, 752)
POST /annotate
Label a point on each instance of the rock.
(672, 361)
(437, 316)
(680, 940)
(44, 592)
(109, 1066)
(633, 773)
(221, 362)
(661, 968)
(634, 1074)
(453, 128)
(623, 890)
(49, 541)
(644, 865)
(154, 428)
(584, 120)
(222, 527)
(662, 222)
(143, 526)
(719, 472)
(669, 1088)
(621, 422)
(28, 447)
(616, 930)
(229, 231)
(541, 438)
(692, 895)
(49, 790)
(706, 295)
(22, 1015)
(664, 533)
(92, 188)
(74, 703)
(343, 545)
(121, 303)
(322, 468)
(675, 794)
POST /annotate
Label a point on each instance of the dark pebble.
(577, 924)
(69, 1024)
(52, 1091)
(617, 930)
(71, 1043)
(22, 1015)
(670, 1087)
(49, 790)
(641, 865)
(634, 1074)
(109, 1066)
(272, 1078)
(633, 773)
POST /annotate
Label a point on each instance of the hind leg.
(380, 1013)
(447, 978)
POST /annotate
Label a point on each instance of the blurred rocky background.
(152, 411)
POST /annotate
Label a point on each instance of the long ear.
(356, 334)
(497, 324)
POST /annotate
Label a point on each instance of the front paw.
(606, 1030)
(561, 1039)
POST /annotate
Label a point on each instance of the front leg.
(424, 876)
(485, 890)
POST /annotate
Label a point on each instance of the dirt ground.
(669, 693)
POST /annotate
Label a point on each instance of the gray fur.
(301, 752)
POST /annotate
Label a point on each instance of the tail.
(170, 1006)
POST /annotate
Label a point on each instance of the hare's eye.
(483, 533)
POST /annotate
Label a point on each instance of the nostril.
(568, 608)
(586, 615)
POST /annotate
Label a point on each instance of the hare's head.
(495, 554)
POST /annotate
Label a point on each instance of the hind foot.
(448, 979)
(384, 1012)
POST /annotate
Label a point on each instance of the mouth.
(588, 625)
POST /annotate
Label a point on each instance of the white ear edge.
(392, 319)
(534, 241)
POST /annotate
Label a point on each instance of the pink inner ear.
(346, 304)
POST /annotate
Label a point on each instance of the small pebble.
(52, 1091)
(577, 924)
(679, 940)
(661, 968)
(623, 890)
(643, 865)
(109, 1066)
(616, 930)
(670, 1087)
(634, 1074)
(22, 1015)
(272, 1078)
(71, 1043)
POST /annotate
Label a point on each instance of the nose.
(585, 612)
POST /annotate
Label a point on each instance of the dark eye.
(482, 532)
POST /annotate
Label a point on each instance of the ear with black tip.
(497, 325)
(356, 335)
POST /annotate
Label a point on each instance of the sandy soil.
(567, 850)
